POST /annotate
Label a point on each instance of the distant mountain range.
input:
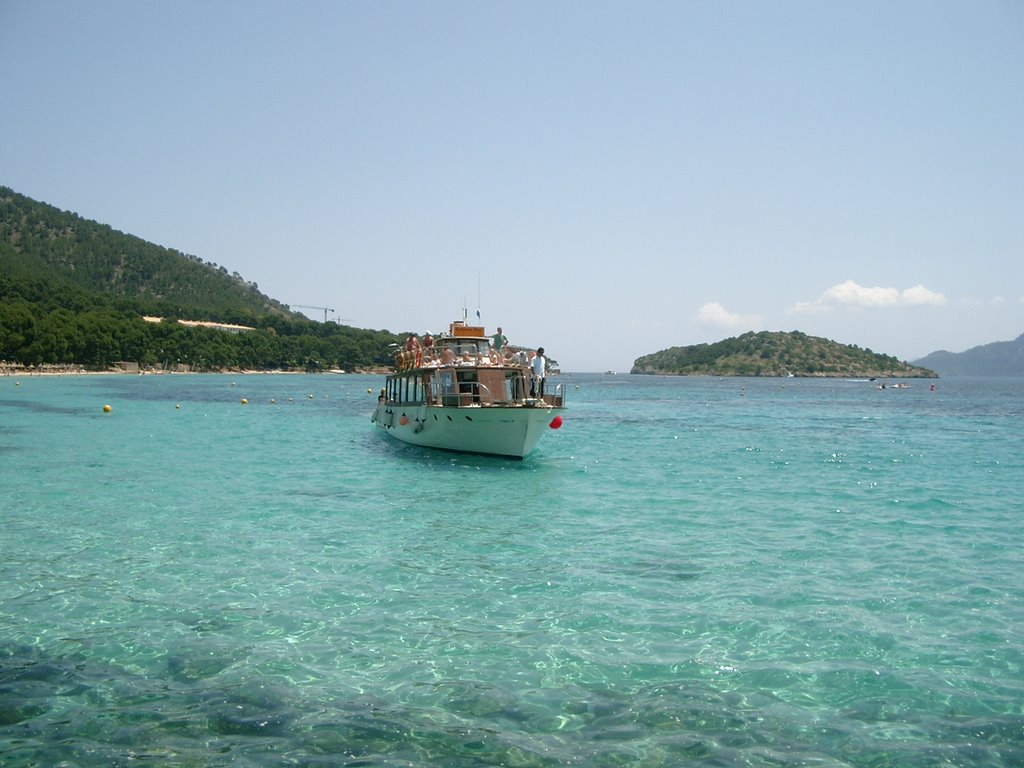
(777, 354)
(1000, 358)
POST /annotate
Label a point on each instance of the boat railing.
(477, 393)
(555, 398)
(472, 393)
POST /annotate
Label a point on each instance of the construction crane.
(325, 309)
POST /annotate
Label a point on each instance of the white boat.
(459, 394)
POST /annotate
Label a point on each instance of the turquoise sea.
(691, 571)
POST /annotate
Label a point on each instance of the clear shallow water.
(690, 571)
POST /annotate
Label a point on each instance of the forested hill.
(776, 354)
(76, 291)
(41, 242)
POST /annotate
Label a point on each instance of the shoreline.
(10, 371)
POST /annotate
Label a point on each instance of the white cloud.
(716, 315)
(919, 296)
(852, 294)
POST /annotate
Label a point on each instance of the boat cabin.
(462, 369)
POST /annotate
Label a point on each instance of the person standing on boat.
(498, 341)
(538, 367)
(428, 346)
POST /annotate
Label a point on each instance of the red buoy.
(556, 422)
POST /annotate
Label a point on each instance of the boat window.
(445, 382)
(469, 388)
(517, 383)
(409, 389)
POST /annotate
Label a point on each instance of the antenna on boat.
(465, 303)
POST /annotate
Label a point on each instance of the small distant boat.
(609, 373)
(459, 394)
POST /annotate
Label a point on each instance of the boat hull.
(495, 430)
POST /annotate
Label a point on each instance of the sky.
(604, 179)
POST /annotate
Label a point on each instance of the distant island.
(774, 353)
(1000, 358)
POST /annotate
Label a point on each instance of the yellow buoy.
(369, 391)
(272, 400)
(107, 409)
(177, 405)
(244, 401)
